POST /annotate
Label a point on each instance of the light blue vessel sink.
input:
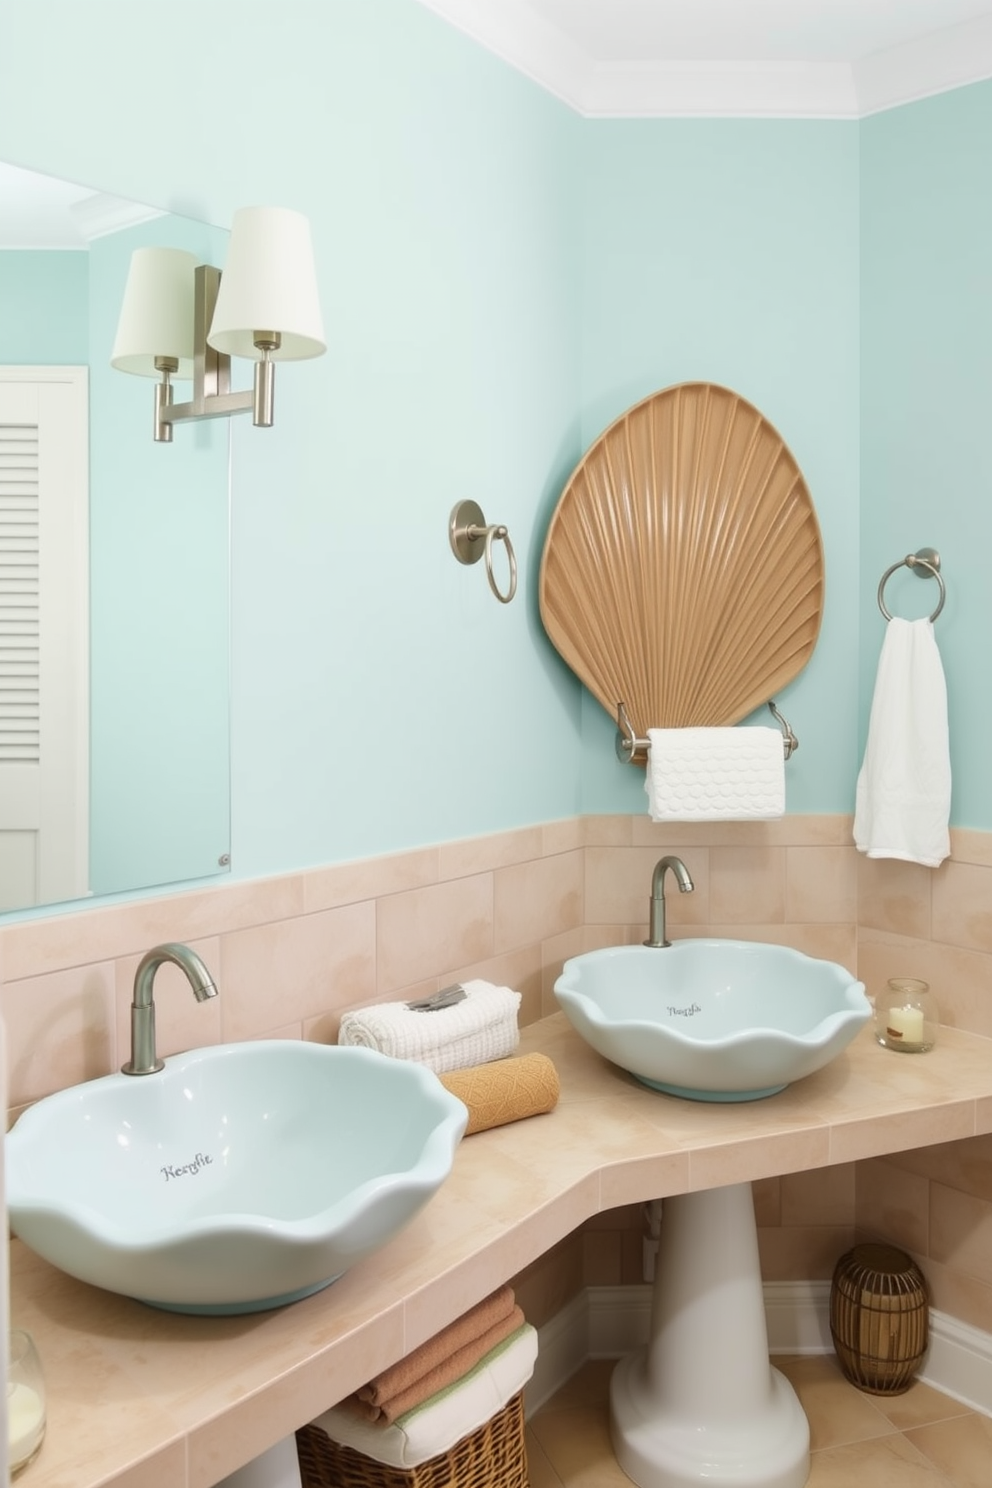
(713, 1020)
(238, 1178)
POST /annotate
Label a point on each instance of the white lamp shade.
(268, 284)
(157, 313)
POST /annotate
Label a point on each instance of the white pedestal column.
(702, 1405)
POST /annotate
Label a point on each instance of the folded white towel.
(715, 774)
(438, 1423)
(480, 1028)
(903, 795)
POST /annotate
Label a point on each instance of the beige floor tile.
(920, 1405)
(577, 1444)
(886, 1462)
(540, 1473)
(837, 1411)
(962, 1449)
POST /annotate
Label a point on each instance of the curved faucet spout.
(657, 936)
(144, 1060)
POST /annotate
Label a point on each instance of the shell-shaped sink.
(713, 1020)
(238, 1178)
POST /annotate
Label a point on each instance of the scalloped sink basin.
(713, 1020)
(238, 1178)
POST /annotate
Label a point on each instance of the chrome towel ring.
(471, 539)
(925, 563)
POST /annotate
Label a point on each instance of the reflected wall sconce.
(183, 319)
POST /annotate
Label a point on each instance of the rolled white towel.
(480, 1028)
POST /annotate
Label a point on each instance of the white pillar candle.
(905, 1023)
(25, 1422)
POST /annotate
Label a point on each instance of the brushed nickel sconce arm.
(471, 539)
(212, 396)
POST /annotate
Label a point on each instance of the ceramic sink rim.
(294, 1231)
(745, 1059)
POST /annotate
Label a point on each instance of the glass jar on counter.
(906, 1016)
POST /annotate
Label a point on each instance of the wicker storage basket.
(879, 1318)
(493, 1456)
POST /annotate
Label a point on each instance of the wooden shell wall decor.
(682, 572)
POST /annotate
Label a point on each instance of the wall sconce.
(182, 319)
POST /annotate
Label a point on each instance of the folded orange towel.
(505, 1090)
(447, 1372)
(464, 1330)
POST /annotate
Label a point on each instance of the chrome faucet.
(144, 1060)
(656, 926)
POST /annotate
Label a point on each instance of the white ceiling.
(648, 59)
(751, 58)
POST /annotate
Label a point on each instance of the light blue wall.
(927, 400)
(728, 251)
(160, 599)
(499, 278)
(43, 308)
(381, 697)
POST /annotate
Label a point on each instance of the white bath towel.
(438, 1423)
(715, 774)
(903, 795)
(476, 1030)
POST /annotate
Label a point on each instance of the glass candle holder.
(906, 1016)
(25, 1401)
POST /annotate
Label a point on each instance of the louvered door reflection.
(43, 640)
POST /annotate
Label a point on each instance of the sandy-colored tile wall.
(936, 1202)
(292, 953)
(801, 882)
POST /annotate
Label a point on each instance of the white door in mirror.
(44, 655)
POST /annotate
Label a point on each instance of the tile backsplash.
(291, 953)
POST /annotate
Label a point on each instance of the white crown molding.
(931, 64)
(936, 63)
(512, 31)
(96, 216)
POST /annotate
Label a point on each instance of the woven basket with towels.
(449, 1415)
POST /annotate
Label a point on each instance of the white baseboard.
(606, 1322)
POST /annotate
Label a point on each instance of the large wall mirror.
(114, 572)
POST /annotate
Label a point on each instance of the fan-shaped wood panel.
(682, 572)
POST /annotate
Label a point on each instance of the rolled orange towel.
(505, 1090)
(464, 1330)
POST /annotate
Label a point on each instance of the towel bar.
(925, 563)
(628, 744)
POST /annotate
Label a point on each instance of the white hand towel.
(903, 795)
(476, 1030)
(715, 774)
(436, 1425)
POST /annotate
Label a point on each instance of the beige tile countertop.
(146, 1399)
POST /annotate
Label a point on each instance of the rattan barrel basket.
(879, 1318)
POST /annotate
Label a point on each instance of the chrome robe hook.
(471, 539)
